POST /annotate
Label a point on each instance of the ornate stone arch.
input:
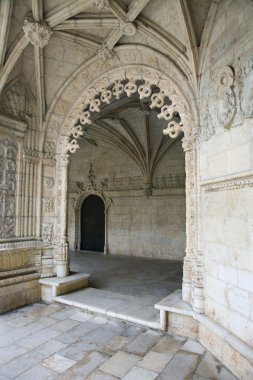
(82, 196)
(137, 69)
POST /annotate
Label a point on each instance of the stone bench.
(176, 316)
(56, 286)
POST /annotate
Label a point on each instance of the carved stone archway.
(181, 114)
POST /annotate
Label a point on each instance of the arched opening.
(93, 224)
(95, 124)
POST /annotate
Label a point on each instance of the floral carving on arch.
(143, 80)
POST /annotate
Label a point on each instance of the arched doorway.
(93, 224)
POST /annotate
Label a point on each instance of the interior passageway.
(124, 287)
(150, 279)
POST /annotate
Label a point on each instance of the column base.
(62, 269)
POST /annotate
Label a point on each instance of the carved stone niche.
(8, 153)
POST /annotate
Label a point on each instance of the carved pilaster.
(61, 251)
(191, 216)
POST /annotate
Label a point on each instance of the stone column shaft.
(61, 249)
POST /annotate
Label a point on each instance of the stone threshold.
(120, 306)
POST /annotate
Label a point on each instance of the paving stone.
(4, 328)
(168, 345)
(77, 351)
(134, 331)
(19, 322)
(81, 316)
(103, 334)
(65, 325)
(211, 367)
(140, 374)
(143, 342)
(63, 314)
(22, 332)
(168, 357)
(154, 361)
(58, 363)
(78, 332)
(13, 351)
(40, 337)
(84, 367)
(181, 367)
(193, 346)
(37, 373)
(117, 343)
(119, 364)
(99, 375)
(30, 359)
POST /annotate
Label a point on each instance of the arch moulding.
(135, 69)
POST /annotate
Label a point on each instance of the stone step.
(55, 286)
(113, 304)
(176, 316)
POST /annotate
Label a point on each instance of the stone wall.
(226, 171)
(138, 225)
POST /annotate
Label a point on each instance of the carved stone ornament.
(101, 4)
(8, 153)
(48, 182)
(226, 103)
(39, 34)
(47, 233)
(158, 100)
(48, 204)
(104, 52)
(128, 29)
(17, 100)
(245, 80)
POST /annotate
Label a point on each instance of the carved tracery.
(164, 98)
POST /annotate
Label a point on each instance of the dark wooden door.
(93, 224)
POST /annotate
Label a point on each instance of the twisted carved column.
(61, 249)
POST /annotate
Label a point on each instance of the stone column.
(198, 272)
(191, 217)
(61, 249)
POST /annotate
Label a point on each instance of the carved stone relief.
(8, 153)
(48, 204)
(48, 182)
(136, 183)
(17, 100)
(230, 100)
(47, 232)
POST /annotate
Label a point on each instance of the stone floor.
(150, 279)
(124, 287)
(43, 342)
